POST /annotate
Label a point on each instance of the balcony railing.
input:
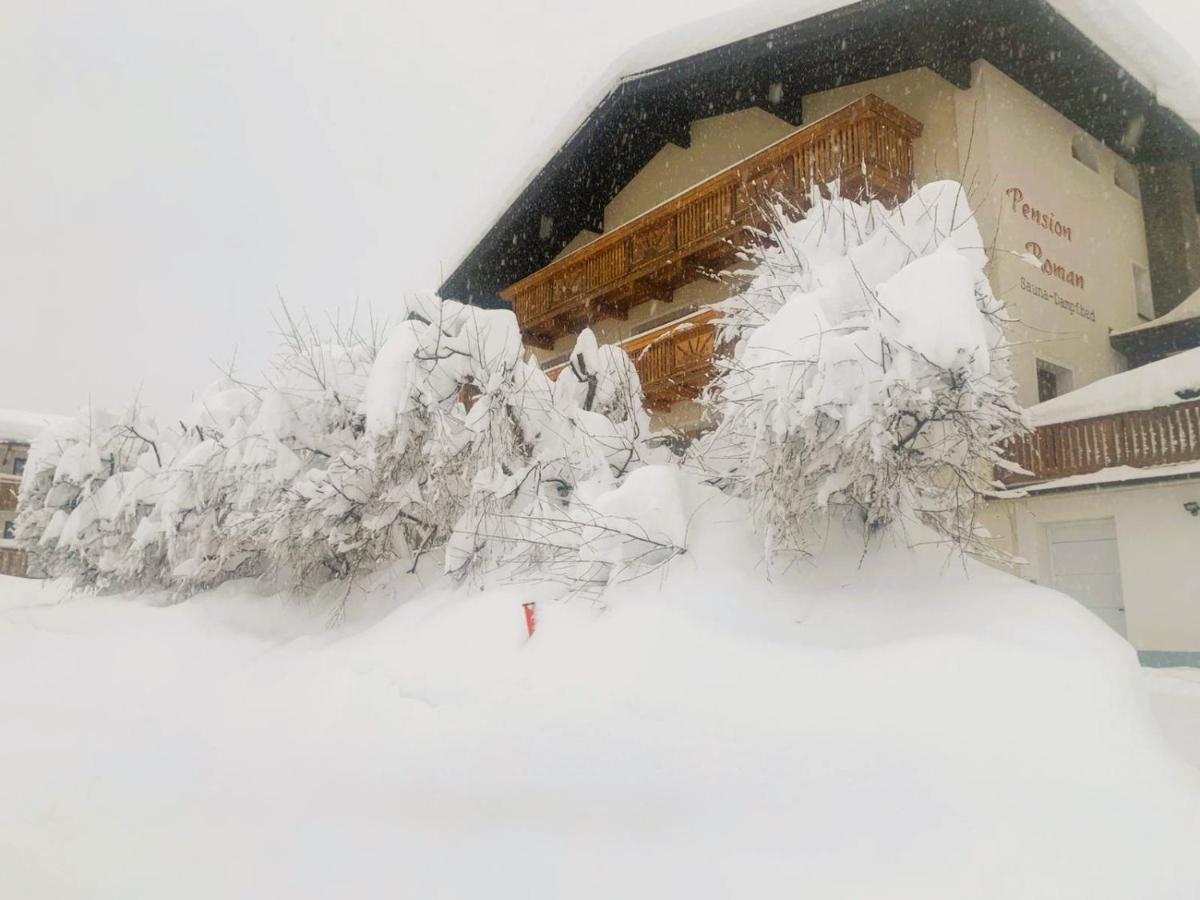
(673, 362)
(865, 146)
(1151, 437)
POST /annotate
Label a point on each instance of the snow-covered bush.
(307, 422)
(531, 513)
(88, 483)
(870, 373)
(356, 453)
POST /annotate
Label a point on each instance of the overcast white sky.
(166, 167)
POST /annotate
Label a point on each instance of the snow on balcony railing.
(673, 362)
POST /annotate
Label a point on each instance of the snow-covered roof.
(1158, 384)
(1115, 475)
(1120, 28)
(22, 427)
(1188, 309)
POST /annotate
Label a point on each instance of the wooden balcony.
(1151, 437)
(866, 146)
(673, 362)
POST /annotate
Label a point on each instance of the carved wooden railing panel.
(1149, 437)
(673, 362)
(866, 146)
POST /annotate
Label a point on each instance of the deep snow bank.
(904, 729)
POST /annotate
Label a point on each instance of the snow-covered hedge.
(355, 454)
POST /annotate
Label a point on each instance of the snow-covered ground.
(1175, 699)
(903, 729)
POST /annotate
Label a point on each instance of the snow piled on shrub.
(870, 371)
(438, 437)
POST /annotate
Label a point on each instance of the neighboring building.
(17, 431)
(1076, 151)
(13, 454)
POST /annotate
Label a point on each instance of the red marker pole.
(530, 617)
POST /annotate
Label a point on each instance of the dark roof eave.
(1156, 343)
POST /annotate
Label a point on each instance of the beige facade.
(1043, 191)
(1048, 193)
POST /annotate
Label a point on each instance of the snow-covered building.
(1075, 128)
(17, 431)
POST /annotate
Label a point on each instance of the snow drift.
(896, 730)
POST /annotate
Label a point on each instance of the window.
(1047, 385)
(1142, 292)
(19, 465)
(10, 530)
(1126, 178)
(1052, 381)
(1084, 150)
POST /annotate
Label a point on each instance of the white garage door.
(1084, 564)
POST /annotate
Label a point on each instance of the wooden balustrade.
(673, 362)
(1150, 437)
(866, 147)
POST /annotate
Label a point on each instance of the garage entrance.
(1084, 565)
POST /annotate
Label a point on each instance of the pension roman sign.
(1049, 222)
(1074, 307)
(1051, 268)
